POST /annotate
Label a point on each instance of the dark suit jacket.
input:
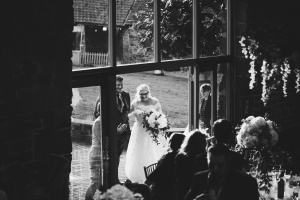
(163, 177)
(206, 116)
(122, 117)
(236, 186)
(184, 171)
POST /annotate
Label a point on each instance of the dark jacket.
(163, 177)
(236, 186)
(122, 118)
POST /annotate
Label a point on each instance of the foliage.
(256, 141)
(272, 56)
(118, 192)
(155, 123)
(176, 27)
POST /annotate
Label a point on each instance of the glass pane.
(222, 91)
(205, 101)
(87, 144)
(176, 29)
(134, 31)
(213, 28)
(90, 34)
(171, 90)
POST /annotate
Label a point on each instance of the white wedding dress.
(142, 150)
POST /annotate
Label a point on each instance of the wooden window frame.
(106, 76)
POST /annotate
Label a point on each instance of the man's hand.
(121, 128)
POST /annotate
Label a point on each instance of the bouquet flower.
(155, 123)
(116, 192)
(256, 140)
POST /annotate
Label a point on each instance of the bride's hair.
(139, 89)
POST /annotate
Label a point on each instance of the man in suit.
(205, 106)
(221, 181)
(223, 133)
(122, 109)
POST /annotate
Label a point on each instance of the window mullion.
(156, 32)
(112, 32)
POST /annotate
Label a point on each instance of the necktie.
(119, 101)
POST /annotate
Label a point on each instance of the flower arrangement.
(155, 123)
(256, 141)
(116, 192)
(271, 56)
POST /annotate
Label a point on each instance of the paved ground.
(80, 173)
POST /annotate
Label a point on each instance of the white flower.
(162, 121)
(152, 120)
(117, 192)
(274, 139)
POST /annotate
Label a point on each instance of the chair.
(149, 169)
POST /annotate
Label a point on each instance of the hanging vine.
(271, 61)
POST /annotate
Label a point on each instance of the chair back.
(149, 169)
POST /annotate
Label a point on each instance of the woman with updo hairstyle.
(95, 156)
(185, 167)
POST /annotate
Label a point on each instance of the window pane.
(176, 29)
(213, 28)
(134, 32)
(205, 101)
(87, 152)
(90, 46)
(222, 91)
(171, 90)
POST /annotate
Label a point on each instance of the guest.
(163, 177)
(205, 107)
(95, 156)
(221, 181)
(223, 133)
(122, 120)
(193, 144)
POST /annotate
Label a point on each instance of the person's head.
(222, 130)
(119, 83)
(205, 90)
(175, 141)
(194, 143)
(219, 161)
(143, 92)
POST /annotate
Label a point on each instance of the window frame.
(105, 76)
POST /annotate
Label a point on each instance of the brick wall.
(35, 72)
(285, 111)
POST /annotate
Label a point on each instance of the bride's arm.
(158, 106)
(132, 105)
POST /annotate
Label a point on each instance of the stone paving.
(80, 173)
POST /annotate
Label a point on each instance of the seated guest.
(163, 177)
(223, 133)
(193, 145)
(221, 181)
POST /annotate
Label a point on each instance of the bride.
(142, 150)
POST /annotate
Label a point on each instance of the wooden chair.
(149, 169)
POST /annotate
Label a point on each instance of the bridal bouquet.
(155, 123)
(256, 140)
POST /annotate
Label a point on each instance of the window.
(205, 52)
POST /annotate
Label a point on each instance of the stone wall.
(35, 74)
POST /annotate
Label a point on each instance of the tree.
(176, 27)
